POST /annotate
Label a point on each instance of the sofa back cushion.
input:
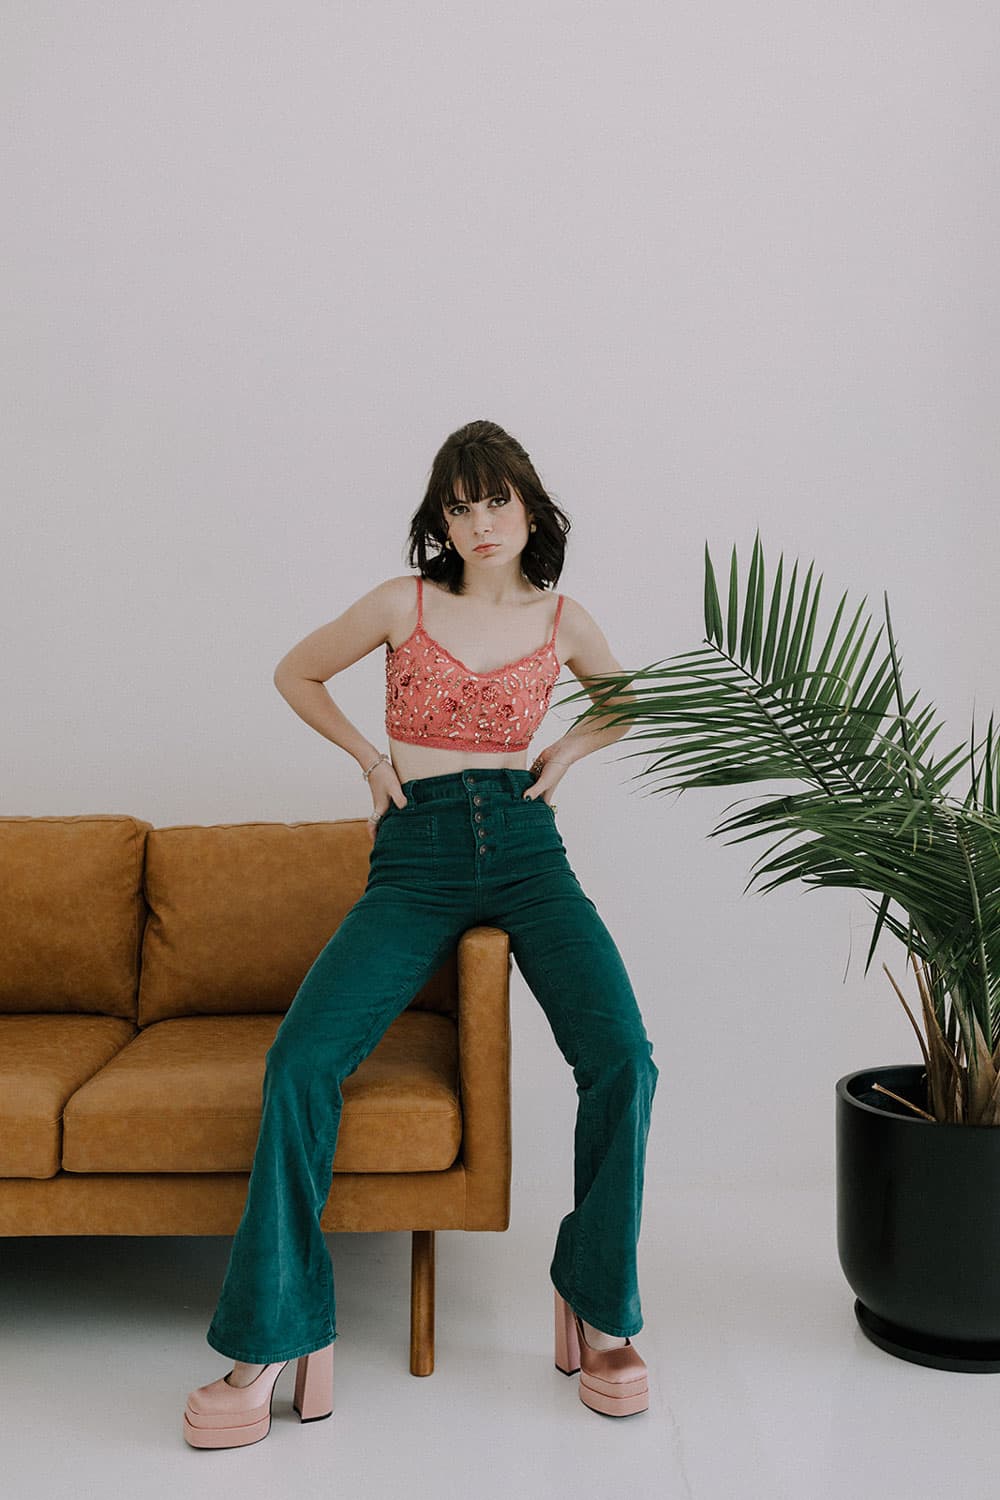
(71, 913)
(239, 911)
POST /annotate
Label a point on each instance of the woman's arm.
(589, 656)
(301, 673)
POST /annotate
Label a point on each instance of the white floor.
(762, 1385)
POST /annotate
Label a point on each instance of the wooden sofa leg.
(422, 1302)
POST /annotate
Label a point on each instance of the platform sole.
(226, 1437)
(626, 1404)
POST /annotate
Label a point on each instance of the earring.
(447, 543)
(532, 527)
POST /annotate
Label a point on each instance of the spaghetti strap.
(420, 599)
(556, 625)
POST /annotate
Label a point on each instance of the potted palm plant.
(917, 1148)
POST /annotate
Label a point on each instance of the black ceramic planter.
(918, 1224)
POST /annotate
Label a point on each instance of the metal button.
(479, 817)
(477, 800)
(471, 780)
(482, 848)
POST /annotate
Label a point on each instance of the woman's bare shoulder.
(585, 650)
(361, 628)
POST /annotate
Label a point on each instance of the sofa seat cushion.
(185, 1096)
(43, 1060)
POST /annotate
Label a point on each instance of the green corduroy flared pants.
(467, 849)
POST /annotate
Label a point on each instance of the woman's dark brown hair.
(485, 459)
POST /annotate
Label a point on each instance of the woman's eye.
(454, 510)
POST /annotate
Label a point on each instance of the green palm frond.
(765, 699)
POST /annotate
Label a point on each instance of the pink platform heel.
(612, 1381)
(220, 1415)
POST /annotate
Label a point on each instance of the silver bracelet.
(375, 763)
(375, 817)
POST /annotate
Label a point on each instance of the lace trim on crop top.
(432, 698)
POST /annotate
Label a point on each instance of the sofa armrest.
(484, 1074)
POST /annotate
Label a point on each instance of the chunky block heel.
(567, 1338)
(613, 1382)
(313, 1399)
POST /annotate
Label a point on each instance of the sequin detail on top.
(432, 698)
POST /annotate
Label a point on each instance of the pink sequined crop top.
(431, 698)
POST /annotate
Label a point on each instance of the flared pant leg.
(573, 967)
(277, 1299)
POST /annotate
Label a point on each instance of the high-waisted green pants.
(467, 849)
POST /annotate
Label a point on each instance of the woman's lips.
(487, 547)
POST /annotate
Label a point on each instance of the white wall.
(715, 265)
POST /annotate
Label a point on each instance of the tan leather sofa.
(143, 974)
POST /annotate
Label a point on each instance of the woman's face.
(500, 518)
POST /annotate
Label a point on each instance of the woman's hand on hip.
(386, 789)
(548, 772)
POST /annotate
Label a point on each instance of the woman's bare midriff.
(411, 762)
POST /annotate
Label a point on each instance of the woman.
(462, 834)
